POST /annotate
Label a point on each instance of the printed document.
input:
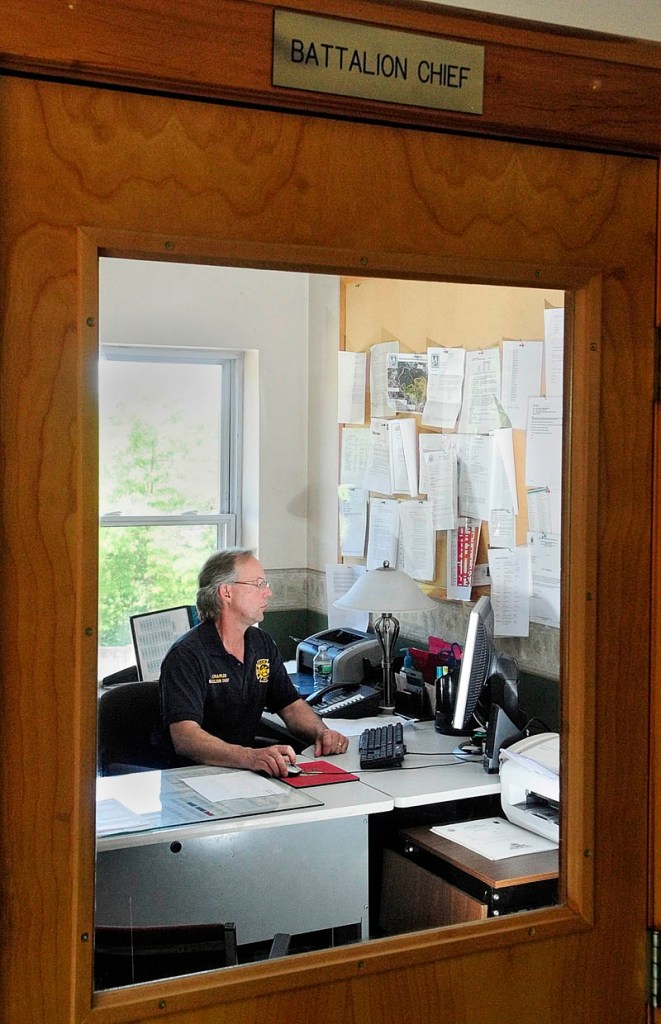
(380, 404)
(440, 475)
(378, 474)
(494, 838)
(431, 443)
(416, 549)
(554, 344)
(353, 465)
(545, 578)
(352, 503)
(480, 412)
(402, 434)
(522, 378)
(461, 554)
(544, 442)
(510, 590)
(445, 378)
(382, 533)
(474, 455)
(339, 579)
(351, 383)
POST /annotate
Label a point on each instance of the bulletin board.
(424, 315)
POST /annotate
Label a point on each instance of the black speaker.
(501, 732)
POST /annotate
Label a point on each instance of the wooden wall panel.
(331, 195)
(540, 83)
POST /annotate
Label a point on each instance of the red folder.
(319, 773)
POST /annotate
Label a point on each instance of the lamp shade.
(385, 590)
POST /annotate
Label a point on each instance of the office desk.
(429, 773)
(293, 871)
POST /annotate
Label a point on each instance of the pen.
(204, 810)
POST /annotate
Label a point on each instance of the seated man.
(218, 678)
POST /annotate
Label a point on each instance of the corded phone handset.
(345, 700)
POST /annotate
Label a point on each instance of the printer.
(530, 784)
(346, 648)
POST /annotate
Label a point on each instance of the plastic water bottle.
(322, 668)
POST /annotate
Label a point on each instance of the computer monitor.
(482, 665)
(155, 632)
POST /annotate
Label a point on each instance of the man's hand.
(272, 761)
(301, 720)
(330, 742)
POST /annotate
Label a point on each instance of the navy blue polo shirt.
(202, 682)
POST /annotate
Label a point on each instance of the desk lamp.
(385, 588)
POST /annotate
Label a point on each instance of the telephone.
(345, 700)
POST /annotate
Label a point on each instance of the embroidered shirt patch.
(262, 670)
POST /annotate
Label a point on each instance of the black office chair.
(126, 717)
(126, 956)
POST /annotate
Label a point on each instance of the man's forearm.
(194, 743)
(302, 721)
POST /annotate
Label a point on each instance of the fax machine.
(346, 648)
(530, 784)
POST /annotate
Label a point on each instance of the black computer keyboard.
(382, 747)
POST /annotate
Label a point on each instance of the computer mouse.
(292, 770)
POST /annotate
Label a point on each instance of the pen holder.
(446, 695)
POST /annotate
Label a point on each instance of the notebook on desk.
(319, 773)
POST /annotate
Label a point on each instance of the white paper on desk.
(112, 817)
(382, 533)
(481, 411)
(445, 378)
(380, 404)
(352, 512)
(494, 838)
(232, 786)
(554, 345)
(351, 379)
(522, 378)
(353, 464)
(354, 726)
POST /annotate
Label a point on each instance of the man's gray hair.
(219, 568)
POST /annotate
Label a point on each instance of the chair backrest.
(124, 956)
(127, 715)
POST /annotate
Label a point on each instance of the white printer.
(530, 784)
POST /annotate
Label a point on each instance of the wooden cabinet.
(429, 881)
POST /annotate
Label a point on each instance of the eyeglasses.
(261, 584)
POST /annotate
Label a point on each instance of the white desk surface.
(344, 800)
(432, 776)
